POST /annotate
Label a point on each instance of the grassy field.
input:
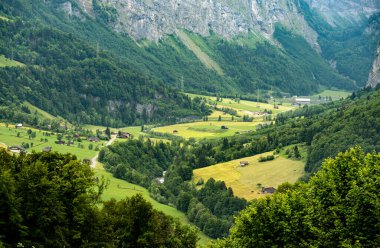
(4, 62)
(208, 129)
(244, 180)
(119, 189)
(8, 136)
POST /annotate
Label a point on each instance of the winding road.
(94, 160)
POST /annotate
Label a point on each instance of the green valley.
(189, 123)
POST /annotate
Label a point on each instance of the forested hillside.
(144, 162)
(53, 200)
(67, 77)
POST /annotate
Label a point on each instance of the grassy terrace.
(5, 62)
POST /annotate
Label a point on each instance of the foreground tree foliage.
(339, 207)
(52, 200)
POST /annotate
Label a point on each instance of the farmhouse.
(47, 149)
(175, 131)
(60, 142)
(269, 190)
(19, 125)
(93, 139)
(244, 163)
(16, 149)
(124, 135)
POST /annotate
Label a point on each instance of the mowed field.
(208, 129)
(245, 180)
(8, 136)
(119, 189)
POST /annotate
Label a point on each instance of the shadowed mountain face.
(345, 12)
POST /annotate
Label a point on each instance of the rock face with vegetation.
(374, 77)
(153, 19)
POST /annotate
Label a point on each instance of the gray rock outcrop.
(374, 76)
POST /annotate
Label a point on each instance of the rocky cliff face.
(374, 76)
(340, 12)
(152, 19)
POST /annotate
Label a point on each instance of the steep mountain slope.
(153, 20)
(169, 59)
(349, 48)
